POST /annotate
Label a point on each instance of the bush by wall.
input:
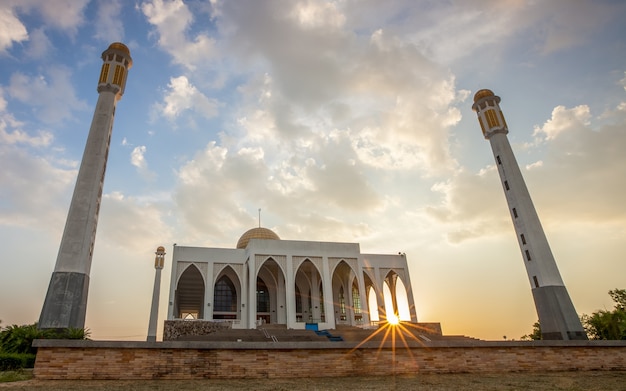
(13, 361)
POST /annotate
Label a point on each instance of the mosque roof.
(256, 233)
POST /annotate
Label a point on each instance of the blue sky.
(344, 121)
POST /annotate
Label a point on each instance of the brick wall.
(193, 360)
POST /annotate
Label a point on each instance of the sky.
(343, 121)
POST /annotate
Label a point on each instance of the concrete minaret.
(159, 260)
(557, 315)
(66, 301)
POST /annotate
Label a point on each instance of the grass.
(568, 381)
(18, 375)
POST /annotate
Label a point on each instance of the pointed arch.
(396, 297)
(227, 295)
(189, 294)
(307, 285)
(371, 296)
(271, 295)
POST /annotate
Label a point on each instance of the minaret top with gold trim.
(117, 62)
(490, 117)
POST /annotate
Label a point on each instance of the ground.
(615, 380)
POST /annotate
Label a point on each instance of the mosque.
(266, 280)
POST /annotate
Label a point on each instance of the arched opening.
(372, 304)
(262, 301)
(389, 307)
(225, 299)
(271, 293)
(343, 282)
(356, 302)
(309, 294)
(189, 295)
(227, 295)
(404, 312)
(396, 300)
(371, 298)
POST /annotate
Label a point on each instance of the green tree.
(604, 324)
(535, 335)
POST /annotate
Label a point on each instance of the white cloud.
(563, 119)
(18, 136)
(42, 93)
(173, 19)
(65, 15)
(137, 157)
(312, 14)
(109, 27)
(11, 29)
(183, 96)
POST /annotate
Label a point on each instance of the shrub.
(13, 361)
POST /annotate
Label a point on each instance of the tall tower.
(159, 260)
(557, 316)
(65, 305)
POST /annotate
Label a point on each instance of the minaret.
(159, 260)
(557, 316)
(66, 301)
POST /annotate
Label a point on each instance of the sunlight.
(373, 305)
(393, 319)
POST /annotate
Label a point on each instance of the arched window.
(356, 300)
(225, 297)
(262, 296)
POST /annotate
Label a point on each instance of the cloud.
(109, 27)
(385, 92)
(136, 157)
(34, 191)
(42, 93)
(182, 96)
(65, 15)
(173, 20)
(131, 223)
(39, 44)
(11, 29)
(563, 120)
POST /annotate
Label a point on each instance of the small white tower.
(557, 316)
(159, 260)
(65, 305)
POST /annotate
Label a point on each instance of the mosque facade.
(266, 280)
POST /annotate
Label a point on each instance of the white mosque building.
(266, 280)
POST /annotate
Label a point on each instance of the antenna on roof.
(259, 217)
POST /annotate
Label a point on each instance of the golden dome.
(256, 233)
(119, 46)
(482, 94)
(161, 249)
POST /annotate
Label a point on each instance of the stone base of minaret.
(557, 315)
(66, 301)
